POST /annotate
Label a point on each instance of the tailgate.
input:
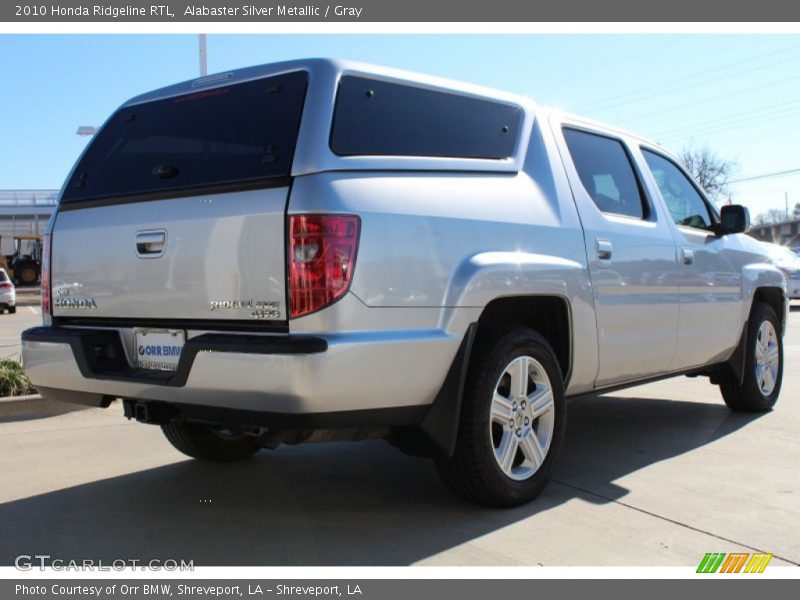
(218, 256)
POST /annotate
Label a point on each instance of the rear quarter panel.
(453, 242)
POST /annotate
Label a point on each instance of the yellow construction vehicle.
(24, 265)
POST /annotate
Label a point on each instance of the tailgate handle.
(151, 244)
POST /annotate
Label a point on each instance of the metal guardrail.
(11, 198)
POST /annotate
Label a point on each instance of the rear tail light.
(45, 277)
(6, 285)
(322, 255)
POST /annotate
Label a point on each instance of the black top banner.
(465, 11)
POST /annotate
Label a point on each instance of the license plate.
(159, 349)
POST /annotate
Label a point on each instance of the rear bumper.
(328, 378)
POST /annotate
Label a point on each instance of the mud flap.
(436, 435)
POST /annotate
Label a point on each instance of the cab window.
(606, 173)
(683, 201)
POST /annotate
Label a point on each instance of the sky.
(737, 94)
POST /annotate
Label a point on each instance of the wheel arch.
(549, 315)
(764, 282)
(772, 296)
(547, 293)
(508, 288)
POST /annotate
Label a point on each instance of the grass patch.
(13, 379)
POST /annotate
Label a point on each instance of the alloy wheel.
(522, 418)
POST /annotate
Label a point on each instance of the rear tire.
(12, 310)
(763, 366)
(513, 420)
(206, 442)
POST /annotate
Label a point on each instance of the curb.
(23, 408)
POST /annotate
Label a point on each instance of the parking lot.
(655, 475)
(27, 315)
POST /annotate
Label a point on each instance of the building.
(785, 234)
(24, 212)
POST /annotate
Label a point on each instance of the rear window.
(244, 132)
(380, 118)
(3, 276)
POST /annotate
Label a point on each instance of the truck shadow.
(339, 504)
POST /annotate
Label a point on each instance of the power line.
(711, 99)
(766, 175)
(684, 78)
(690, 77)
(720, 127)
(635, 54)
(695, 84)
(770, 134)
(737, 118)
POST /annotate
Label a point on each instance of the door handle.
(151, 244)
(687, 256)
(604, 250)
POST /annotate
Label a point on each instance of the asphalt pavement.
(655, 475)
(28, 315)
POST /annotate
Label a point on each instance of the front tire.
(513, 420)
(763, 367)
(208, 442)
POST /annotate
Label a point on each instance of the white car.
(8, 295)
(789, 263)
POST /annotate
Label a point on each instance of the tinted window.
(380, 118)
(3, 276)
(606, 172)
(243, 132)
(683, 201)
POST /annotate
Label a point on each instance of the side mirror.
(735, 218)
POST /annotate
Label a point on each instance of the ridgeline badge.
(259, 309)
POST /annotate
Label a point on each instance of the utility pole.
(203, 55)
(786, 200)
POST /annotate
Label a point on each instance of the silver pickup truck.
(323, 250)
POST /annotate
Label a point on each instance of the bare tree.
(710, 170)
(772, 216)
(796, 211)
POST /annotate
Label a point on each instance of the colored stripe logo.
(735, 562)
